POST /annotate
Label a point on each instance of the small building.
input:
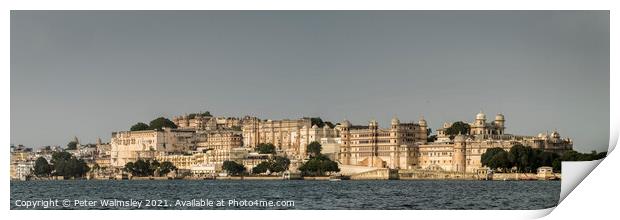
(129, 146)
(484, 173)
(205, 170)
(545, 173)
(24, 170)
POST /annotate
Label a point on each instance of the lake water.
(234, 194)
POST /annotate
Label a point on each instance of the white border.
(593, 198)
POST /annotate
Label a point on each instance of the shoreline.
(265, 178)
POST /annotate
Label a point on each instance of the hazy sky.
(88, 73)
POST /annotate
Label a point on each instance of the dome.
(446, 125)
(499, 117)
(315, 126)
(555, 134)
(422, 122)
(373, 123)
(395, 121)
(481, 116)
(346, 123)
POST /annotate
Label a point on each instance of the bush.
(160, 123)
(496, 158)
(68, 166)
(527, 159)
(318, 164)
(42, 167)
(139, 127)
(148, 168)
(314, 148)
(456, 128)
(261, 167)
(266, 148)
(233, 168)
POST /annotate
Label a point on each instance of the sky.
(89, 73)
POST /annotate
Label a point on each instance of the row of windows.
(440, 154)
(437, 161)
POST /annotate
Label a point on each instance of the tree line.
(155, 124)
(456, 128)
(62, 164)
(161, 122)
(317, 165)
(275, 165)
(149, 168)
(527, 159)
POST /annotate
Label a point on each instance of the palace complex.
(402, 145)
(290, 136)
(129, 146)
(201, 143)
(462, 153)
(393, 147)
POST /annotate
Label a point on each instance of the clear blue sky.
(88, 73)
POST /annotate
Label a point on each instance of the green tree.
(456, 128)
(233, 168)
(266, 148)
(79, 168)
(261, 167)
(519, 157)
(72, 145)
(527, 159)
(59, 168)
(139, 127)
(60, 156)
(129, 167)
(314, 148)
(557, 165)
(141, 168)
(601, 155)
(431, 138)
(575, 156)
(547, 158)
(489, 155)
(204, 114)
(275, 164)
(330, 124)
(317, 121)
(68, 166)
(500, 161)
(160, 123)
(166, 167)
(154, 165)
(42, 167)
(148, 167)
(319, 166)
(279, 164)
